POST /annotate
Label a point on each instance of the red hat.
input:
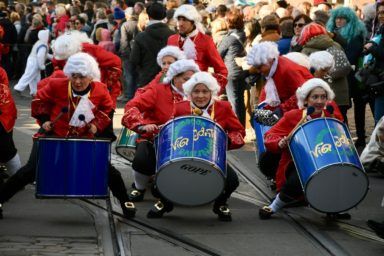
(309, 31)
(317, 2)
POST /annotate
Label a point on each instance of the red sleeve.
(42, 103)
(134, 108)
(103, 109)
(8, 111)
(282, 128)
(233, 127)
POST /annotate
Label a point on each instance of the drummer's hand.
(47, 126)
(92, 129)
(283, 143)
(149, 127)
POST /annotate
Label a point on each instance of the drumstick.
(63, 111)
(82, 118)
(330, 109)
(309, 111)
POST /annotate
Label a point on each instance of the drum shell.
(329, 168)
(126, 144)
(72, 168)
(191, 160)
(260, 130)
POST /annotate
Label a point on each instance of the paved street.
(73, 227)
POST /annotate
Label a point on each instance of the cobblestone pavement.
(33, 246)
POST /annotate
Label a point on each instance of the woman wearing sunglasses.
(298, 23)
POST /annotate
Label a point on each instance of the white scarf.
(84, 107)
(205, 110)
(272, 96)
(189, 46)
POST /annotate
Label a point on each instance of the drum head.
(190, 182)
(336, 188)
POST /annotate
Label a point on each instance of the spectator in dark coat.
(148, 43)
(230, 48)
(286, 28)
(9, 39)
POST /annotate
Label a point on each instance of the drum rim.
(74, 139)
(310, 121)
(200, 160)
(327, 166)
(190, 116)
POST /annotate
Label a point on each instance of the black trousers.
(27, 174)
(7, 146)
(145, 159)
(292, 189)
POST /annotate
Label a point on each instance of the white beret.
(179, 67)
(202, 78)
(262, 53)
(170, 50)
(84, 64)
(303, 91)
(188, 11)
(321, 60)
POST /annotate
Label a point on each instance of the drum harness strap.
(303, 120)
(199, 112)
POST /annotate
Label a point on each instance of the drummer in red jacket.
(8, 115)
(55, 106)
(316, 94)
(202, 90)
(149, 110)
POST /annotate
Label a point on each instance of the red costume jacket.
(51, 99)
(283, 128)
(8, 111)
(157, 80)
(288, 77)
(154, 106)
(207, 56)
(110, 68)
(56, 74)
(223, 115)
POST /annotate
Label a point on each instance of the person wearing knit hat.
(315, 38)
(118, 14)
(202, 90)
(79, 93)
(314, 93)
(149, 110)
(196, 45)
(148, 43)
(283, 77)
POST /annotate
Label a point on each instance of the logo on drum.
(339, 142)
(195, 169)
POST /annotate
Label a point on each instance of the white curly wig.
(321, 60)
(303, 91)
(262, 53)
(179, 67)
(170, 50)
(84, 64)
(69, 44)
(202, 78)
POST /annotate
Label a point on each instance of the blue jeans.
(235, 93)
(379, 108)
(130, 76)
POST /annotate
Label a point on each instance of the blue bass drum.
(72, 168)
(329, 168)
(260, 130)
(191, 160)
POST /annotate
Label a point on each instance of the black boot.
(377, 227)
(158, 209)
(223, 212)
(129, 209)
(1, 211)
(265, 212)
(136, 195)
